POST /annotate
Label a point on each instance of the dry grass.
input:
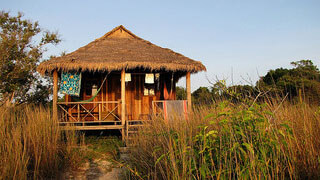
(31, 144)
(305, 142)
(232, 141)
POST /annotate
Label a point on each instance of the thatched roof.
(120, 49)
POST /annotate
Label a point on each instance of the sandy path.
(102, 168)
(96, 169)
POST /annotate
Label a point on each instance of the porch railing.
(170, 108)
(89, 111)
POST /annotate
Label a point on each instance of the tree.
(237, 93)
(19, 55)
(202, 96)
(302, 80)
(181, 93)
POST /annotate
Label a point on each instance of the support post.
(55, 96)
(188, 84)
(78, 109)
(100, 111)
(123, 102)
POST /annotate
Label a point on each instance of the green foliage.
(302, 80)
(202, 96)
(238, 143)
(207, 96)
(104, 145)
(181, 93)
(39, 93)
(239, 93)
(19, 56)
(245, 140)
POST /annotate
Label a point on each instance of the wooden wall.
(138, 105)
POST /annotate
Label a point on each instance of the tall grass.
(31, 144)
(232, 141)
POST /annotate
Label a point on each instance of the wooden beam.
(188, 84)
(123, 101)
(96, 102)
(55, 96)
(99, 127)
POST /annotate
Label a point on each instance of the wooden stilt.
(188, 84)
(55, 96)
(123, 103)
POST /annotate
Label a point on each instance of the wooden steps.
(132, 128)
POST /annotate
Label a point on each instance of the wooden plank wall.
(138, 106)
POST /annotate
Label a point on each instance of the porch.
(121, 106)
(89, 115)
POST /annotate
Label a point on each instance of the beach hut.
(116, 79)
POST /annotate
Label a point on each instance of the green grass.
(232, 141)
(103, 147)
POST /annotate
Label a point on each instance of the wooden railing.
(89, 111)
(159, 108)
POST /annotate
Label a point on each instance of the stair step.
(133, 132)
(136, 125)
(133, 123)
(123, 150)
(140, 122)
(133, 127)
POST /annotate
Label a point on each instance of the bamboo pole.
(188, 84)
(55, 96)
(123, 102)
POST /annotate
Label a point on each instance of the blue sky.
(237, 40)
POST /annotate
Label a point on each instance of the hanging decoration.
(127, 77)
(145, 92)
(149, 78)
(157, 80)
(151, 92)
(157, 75)
(70, 83)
